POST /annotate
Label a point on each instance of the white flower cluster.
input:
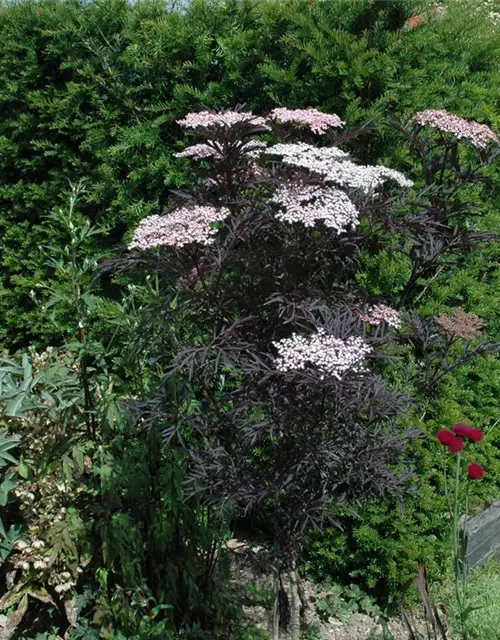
(199, 152)
(317, 121)
(208, 120)
(254, 148)
(366, 178)
(333, 164)
(300, 154)
(332, 356)
(31, 557)
(309, 204)
(40, 360)
(251, 149)
(180, 227)
(381, 313)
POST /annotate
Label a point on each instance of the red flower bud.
(475, 471)
(445, 436)
(464, 431)
(456, 445)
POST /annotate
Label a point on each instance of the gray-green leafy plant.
(10, 533)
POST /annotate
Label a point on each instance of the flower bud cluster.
(206, 120)
(381, 313)
(182, 226)
(461, 324)
(332, 356)
(479, 135)
(309, 204)
(32, 556)
(39, 360)
(317, 121)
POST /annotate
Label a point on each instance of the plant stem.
(294, 600)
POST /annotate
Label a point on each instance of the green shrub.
(92, 89)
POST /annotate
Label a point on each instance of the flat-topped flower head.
(317, 121)
(310, 204)
(461, 324)
(208, 120)
(364, 178)
(331, 356)
(185, 225)
(200, 152)
(214, 150)
(301, 154)
(380, 313)
(253, 148)
(479, 135)
(334, 166)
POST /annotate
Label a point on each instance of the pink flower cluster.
(209, 120)
(182, 226)
(212, 149)
(333, 164)
(317, 121)
(381, 313)
(461, 324)
(200, 151)
(311, 203)
(479, 135)
(332, 356)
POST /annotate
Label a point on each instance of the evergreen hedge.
(92, 90)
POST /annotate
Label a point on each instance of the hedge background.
(92, 90)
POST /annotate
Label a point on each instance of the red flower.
(464, 431)
(456, 445)
(445, 436)
(475, 471)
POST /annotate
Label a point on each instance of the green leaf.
(23, 470)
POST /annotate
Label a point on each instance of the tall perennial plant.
(280, 398)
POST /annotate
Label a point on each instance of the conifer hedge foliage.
(91, 90)
(91, 94)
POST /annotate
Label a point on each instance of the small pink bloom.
(479, 135)
(381, 313)
(317, 121)
(209, 120)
